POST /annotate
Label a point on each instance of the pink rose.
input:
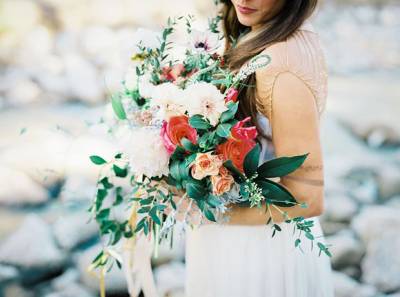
(244, 133)
(231, 95)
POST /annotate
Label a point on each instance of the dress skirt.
(245, 261)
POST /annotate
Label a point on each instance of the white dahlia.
(205, 99)
(145, 151)
(168, 98)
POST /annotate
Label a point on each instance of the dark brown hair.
(287, 17)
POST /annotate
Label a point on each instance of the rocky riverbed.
(58, 64)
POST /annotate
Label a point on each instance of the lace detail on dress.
(301, 54)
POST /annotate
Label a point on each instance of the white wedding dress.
(245, 261)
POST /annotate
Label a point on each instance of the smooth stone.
(348, 287)
(339, 208)
(32, 246)
(18, 189)
(346, 249)
(371, 220)
(73, 229)
(381, 265)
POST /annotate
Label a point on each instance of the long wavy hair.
(241, 44)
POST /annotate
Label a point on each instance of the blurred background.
(59, 61)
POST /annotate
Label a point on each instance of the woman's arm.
(295, 131)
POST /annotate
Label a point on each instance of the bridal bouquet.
(180, 141)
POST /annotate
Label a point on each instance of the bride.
(240, 258)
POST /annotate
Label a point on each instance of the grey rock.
(32, 246)
(7, 273)
(77, 189)
(72, 290)
(64, 280)
(346, 249)
(339, 208)
(381, 265)
(331, 228)
(83, 79)
(73, 229)
(348, 287)
(15, 290)
(389, 181)
(17, 188)
(373, 220)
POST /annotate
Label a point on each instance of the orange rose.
(236, 150)
(206, 164)
(174, 130)
(221, 184)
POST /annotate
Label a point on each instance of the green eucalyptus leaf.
(251, 160)
(103, 214)
(281, 166)
(97, 160)
(120, 172)
(117, 106)
(154, 216)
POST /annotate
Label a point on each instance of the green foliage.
(97, 160)
(251, 161)
(281, 166)
(117, 106)
(230, 113)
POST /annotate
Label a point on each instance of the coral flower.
(174, 130)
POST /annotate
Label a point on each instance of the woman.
(239, 258)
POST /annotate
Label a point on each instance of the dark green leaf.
(195, 190)
(280, 166)
(106, 183)
(236, 173)
(198, 122)
(251, 160)
(230, 113)
(144, 209)
(188, 145)
(224, 130)
(154, 216)
(103, 214)
(120, 172)
(209, 215)
(101, 194)
(276, 194)
(146, 201)
(213, 200)
(97, 160)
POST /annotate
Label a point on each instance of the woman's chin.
(246, 21)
